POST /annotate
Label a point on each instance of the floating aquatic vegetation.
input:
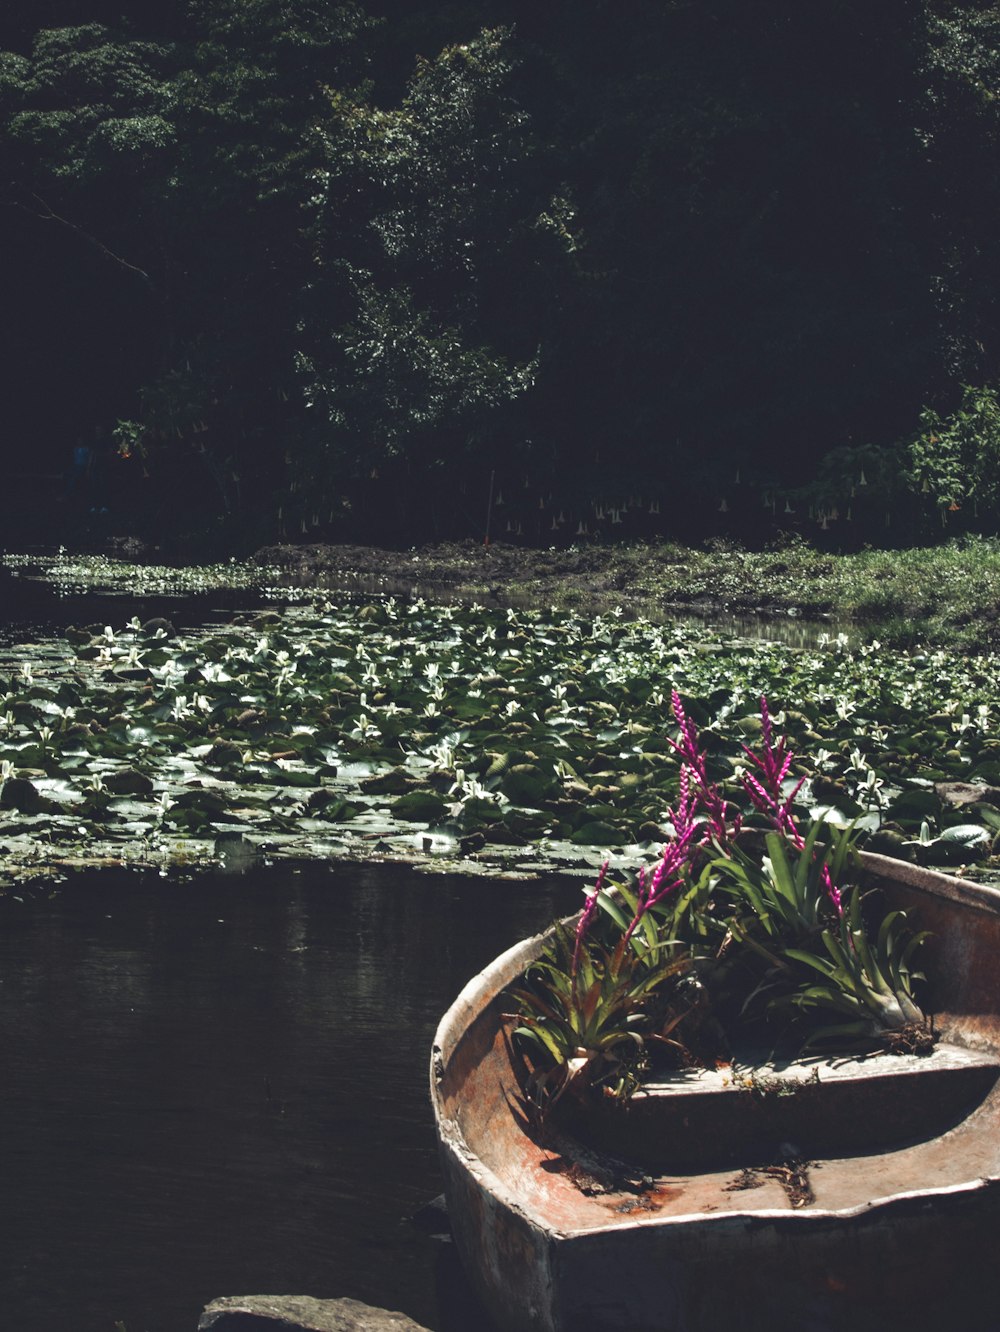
(528, 739)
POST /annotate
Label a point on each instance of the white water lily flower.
(171, 673)
(365, 729)
(442, 755)
(872, 789)
(27, 674)
(6, 769)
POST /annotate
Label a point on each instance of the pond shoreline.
(640, 578)
(942, 594)
(947, 595)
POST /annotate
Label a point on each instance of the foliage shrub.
(954, 461)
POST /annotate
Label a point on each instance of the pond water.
(30, 608)
(219, 1086)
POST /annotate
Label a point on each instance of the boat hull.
(905, 1232)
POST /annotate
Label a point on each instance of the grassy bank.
(941, 595)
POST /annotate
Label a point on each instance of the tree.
(427, 230)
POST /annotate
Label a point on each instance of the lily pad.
(419, 807)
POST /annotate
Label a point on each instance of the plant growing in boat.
(584, 1009)
(870, 982)
(766, 936)
(789, 914)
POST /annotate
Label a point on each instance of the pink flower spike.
(765, 721)
(832, 891)
(586, 918)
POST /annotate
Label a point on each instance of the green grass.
(948, 594)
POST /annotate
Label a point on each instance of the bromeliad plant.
(762, 928)
(585, 1005)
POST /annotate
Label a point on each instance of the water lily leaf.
(915, 804)
(419, 807)
(957, 845)
(527, 784)
(394, 782)
(128, 781)
(596, 833)
(965, 835)
(989, 814)
(337, 810)
(21, 794)
(476, 811)
(223, 754)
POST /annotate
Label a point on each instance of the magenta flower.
(668, 875)
(765, 786)
(833, 893)
(586, 918)
(699, 795)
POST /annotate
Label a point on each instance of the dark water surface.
(219, 1086)
(31, 609)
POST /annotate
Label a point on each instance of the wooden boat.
(904, 1218)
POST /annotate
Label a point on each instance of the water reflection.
(33, 609)
(219, 1086)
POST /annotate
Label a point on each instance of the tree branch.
(48, 214)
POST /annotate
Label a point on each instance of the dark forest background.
(289, 268)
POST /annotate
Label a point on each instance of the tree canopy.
(333, 270)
